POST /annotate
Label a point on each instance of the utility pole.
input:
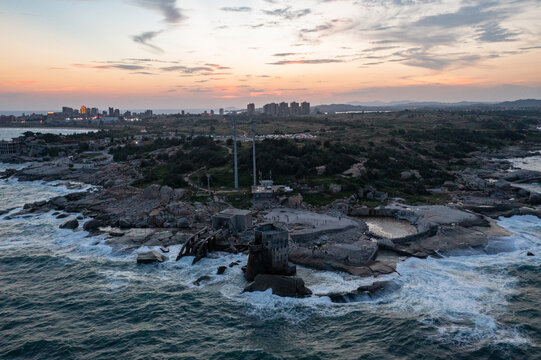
(235, 152)
(253, 149)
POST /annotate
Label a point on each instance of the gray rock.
(165, 194)
(335, 188)
(124, 223)
(360, 211)
(62, 216)
(377, 288)
(529, 253)
(502, 185)
(183, 223)
(381, 268)
(406, 175)
(201, 279)
(70, 224)
(221, 270)
(534, 199)
(152, 192)
(150, 257)
(59, 202)
(285, 286)
(91, 225)
(387, 244)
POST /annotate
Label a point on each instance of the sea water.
(66, 295)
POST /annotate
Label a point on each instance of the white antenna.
(235, 152)
(253, 149)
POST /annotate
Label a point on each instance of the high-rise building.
(250, 108)
(148, 113)
(305, 108)
(67, 110)
(83, 110)
(284, 109)
(111, 111)
(94, 111)
(271, 109)
(182, 113)
(211, 112)
(221, 112)
(117, 113)
(294, 108)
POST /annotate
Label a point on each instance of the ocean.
(10, 133)
(65, 295)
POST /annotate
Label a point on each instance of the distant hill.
(527, 104)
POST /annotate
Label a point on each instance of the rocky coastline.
(334, 237)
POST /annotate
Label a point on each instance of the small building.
(275, 247)
(234, 219)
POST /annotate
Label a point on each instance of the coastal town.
(158, 184)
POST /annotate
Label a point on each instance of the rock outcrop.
(285, 286)
(150, 257)
(70, 224)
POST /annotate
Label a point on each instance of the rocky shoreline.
(334, 237)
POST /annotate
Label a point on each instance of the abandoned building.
(269, 253)
(236, 220)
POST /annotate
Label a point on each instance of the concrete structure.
(274, 247)
(235, 219)
(9, 147)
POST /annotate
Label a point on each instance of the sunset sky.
(167, 54)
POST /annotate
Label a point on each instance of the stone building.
(269, 253)
(236, 220)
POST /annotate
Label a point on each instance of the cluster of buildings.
(93, 114)
(285, 109)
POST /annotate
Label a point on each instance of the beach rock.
(164, 249)
(523, 176)
(62, 216)
(285, 286)
(234, 263)
(150, 257)
(221, 270)
(59, 202)
(91, 225)
(529, 253)
(378, 288)
(70, 224)
(201, 279)
(381, 268)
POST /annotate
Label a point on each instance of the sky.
(181, 54)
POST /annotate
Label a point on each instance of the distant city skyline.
(167, 54)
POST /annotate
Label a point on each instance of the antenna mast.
(235, 152)
(253, 149)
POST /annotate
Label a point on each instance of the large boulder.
(59, 202)
(285, 286)
(535, 198)
(150, 257)
(294, 201)
(378, 288)
(91, 225)
(70, 224)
